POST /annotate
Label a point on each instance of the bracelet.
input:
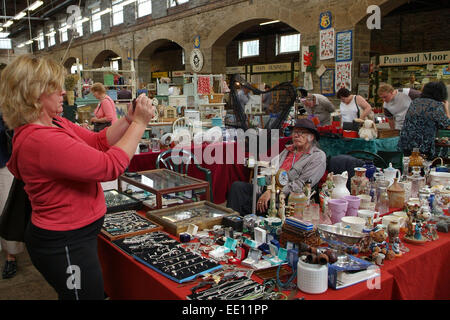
(127, 117)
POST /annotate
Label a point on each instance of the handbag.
(99, 126)
(16, 213)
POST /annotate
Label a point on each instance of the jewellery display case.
(167, 183)
(203, 214)
(117, 201)
(158, 251)
(127, 224)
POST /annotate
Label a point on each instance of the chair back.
(175, 160)
(378, 161)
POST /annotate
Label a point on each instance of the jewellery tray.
(210, 265)
(173, 222)
(152, 227)
(125, 202)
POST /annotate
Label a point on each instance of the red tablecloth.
(420, 274)
(224, 171)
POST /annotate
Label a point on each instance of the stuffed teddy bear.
(379, 246)
(368, 131)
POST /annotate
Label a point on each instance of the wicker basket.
(215, 98)
(297, 236)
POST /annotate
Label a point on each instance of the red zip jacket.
(62, 169)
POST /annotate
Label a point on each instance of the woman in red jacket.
(62, 165)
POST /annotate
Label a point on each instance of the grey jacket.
(311, 166)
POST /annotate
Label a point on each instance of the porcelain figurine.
(418, 231)
(282, 209)
(396, 246)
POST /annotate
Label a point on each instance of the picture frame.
(327, 83)
(364, 69)
(363, 90)
(344, 46)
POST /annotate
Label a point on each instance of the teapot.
(340, 186)
(390, 173)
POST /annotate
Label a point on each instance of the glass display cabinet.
(160, 188)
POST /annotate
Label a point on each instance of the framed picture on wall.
(363, 90)
(364, 69)
(327, 83)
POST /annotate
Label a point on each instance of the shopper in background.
(425, 115)
(243, 96)
(412, 83)
(62, 165)
(11, 248)
(124, 94)
(267, 99)
(396, 103)
(303, 160)
(320, 106)
(105, 113)
(353, 106)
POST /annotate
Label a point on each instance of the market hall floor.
(27, 284)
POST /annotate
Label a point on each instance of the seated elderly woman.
(303, 161)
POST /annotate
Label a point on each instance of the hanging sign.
(196, 60)
(276, 67)
(344, 46)
(197, 42)
(234, 70)
(421, 58)
(163, 74)
(129, 54)
(325, 20)
(326, 47)
(343, 75)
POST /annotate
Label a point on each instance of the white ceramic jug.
(390, 173)
(340, 186)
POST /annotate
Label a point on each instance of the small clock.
(281, 178)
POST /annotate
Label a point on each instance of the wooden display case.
(163, 181)
(149, 226)
(203, 214)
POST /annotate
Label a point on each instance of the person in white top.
(396, 103)
(352, 106)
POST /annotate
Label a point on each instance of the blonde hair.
(385, 88)
(22, 83)
(98, 87)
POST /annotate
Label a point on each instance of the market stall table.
(421, 273)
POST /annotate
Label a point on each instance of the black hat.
(307, 124)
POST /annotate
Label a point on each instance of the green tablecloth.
(334, 146)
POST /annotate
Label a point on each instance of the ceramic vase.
(338, 209)
(359, 181)
(396, 195)
(393, 230)
(353, 205)
(340, 188)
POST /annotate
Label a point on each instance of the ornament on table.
(359, 182)
(379, 247)
(368, 131)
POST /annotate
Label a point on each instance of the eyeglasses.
(300, 133)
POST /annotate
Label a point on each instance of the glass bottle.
(405, 168)
(417, 182)
(383, 201)
(415, 160)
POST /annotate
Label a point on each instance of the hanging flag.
(309, 58)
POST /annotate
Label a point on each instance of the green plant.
(71, 81)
